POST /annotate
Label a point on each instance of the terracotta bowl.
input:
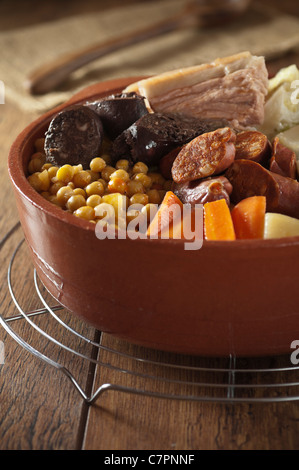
(225, 298)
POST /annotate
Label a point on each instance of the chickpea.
(85, 212)
(96, 187)
(107, 172)
(94, 175)
(77, 168)
(79, 191)
(121, 174)
(63, 194)
(65, 173)
(47, 166)
(56, 186)
(144, 179)
(74, 202)
(101, 189)
(81, 179)
(122, 165)
(133, 187)
(140, 167)
(93, 200)
(117, 185)
(52, 171)
(157, 178)
(104, 183)
(139, 198)
(97, 164)
(154, 196)
(35, 165)
(40, 155)
(44, 180)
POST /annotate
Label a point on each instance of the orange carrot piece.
(188, 226)
(249, 217)
(218, 224)
(163, 222)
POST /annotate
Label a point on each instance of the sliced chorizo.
(253, 145)
(249, 178)
(202, 191)
(206, 155)
(283, 160)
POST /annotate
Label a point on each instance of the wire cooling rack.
(163, 375)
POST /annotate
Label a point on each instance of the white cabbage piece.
(282, 104)
(286, 74)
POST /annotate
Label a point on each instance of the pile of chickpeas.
(82, 191)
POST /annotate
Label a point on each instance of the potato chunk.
(280, 225)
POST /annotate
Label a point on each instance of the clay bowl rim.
(92, 92)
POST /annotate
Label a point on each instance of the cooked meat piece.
(253, 145)
(283, 160)
(208, 154)
(203, 190)
(118, 112)
(156, 134)
(233, 88)
(74, 136)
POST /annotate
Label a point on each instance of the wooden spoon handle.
(49, 76)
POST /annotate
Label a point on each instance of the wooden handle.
(194, 13)
(50, 75)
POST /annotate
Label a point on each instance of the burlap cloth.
(263, 32)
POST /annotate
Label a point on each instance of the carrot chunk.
(167, 217)
(249, 217)
(218, 224)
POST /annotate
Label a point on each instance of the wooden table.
(39, 406)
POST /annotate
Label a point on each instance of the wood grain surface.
(40, 409)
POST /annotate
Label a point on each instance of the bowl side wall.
(225, 298)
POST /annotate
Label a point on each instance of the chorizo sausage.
(252, 145)
(283, 160)
(74, 136)
(249, 178)
(202, 191)
(206, 155)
